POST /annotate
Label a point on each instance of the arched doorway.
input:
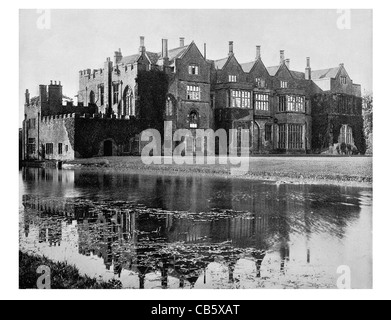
(92, 97)
(108, 148)
(128, 102)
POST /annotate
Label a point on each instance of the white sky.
(81, 39)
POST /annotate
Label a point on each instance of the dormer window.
(344, 80)
(193, 69)
(232, 78)
(283, 84)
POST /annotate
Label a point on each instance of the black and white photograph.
(212, 153)
(155, 156)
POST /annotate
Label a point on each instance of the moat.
(156, 231)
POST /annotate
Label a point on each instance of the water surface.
(151, 231)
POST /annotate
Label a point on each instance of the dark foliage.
(63, 276)
(152, 90)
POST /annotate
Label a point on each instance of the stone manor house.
(286, 111)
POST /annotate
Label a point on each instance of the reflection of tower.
(285, 256)
(141, 278)
(259, 256)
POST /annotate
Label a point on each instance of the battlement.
(90, 73)
(83, 116)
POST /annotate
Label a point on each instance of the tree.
(368, 121)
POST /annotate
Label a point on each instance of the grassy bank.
(63, 276)
(350, 171)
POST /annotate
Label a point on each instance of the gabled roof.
(273, 70)
(174, 53)
(247, 67)
(130, 59)
(153, 57)
(219, 64)
(325, 74)
(298, 75)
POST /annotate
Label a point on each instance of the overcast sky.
(81, 39)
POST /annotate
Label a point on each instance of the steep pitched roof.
(298, 75)
(130, 59)
(247, 67)
(325, 74)
(219, 64)
(273, 70)
(174, 53)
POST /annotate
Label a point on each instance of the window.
(193, 120)
(49, 149)
(346, 135)
(290, 136)
(31, 124)
(292, 104)
(232, 78)
(282, 103)
(169, 107)
(193, 69)
(282, 136)
(115, 93)
(262, 102)
(193, 93)
(240, 99)
(60, 148)
(284, 84)
(31, 146)
(261, 83)
(295, 136)
(344, 80)
(66, 148)
(102, 95)
(268, 132)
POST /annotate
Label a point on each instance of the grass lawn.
(304, 169)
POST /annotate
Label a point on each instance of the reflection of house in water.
(179, 233)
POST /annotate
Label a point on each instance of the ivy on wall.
(327, 124)
(152, 91)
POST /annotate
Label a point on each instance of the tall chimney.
(117, 56)
(282, 57)
(231, 48)
(288, 63)
(165, 51)
(205, 51)
(181, 42)
(142, 45)
(308, 69)
(258, 53)
(27, 95)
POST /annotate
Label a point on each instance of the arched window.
(92, 97)
(193, 118)
(169, 107)
(128, 102)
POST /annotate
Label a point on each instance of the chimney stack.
(308, 69)
(258, 53)
(231, 48)
(117, 56)
(205, 51)
(288, 63)
(142, 45)
(165, 51)
(27, 95)
(181, 42)
(282, 57)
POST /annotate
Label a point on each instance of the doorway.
(108, 148)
